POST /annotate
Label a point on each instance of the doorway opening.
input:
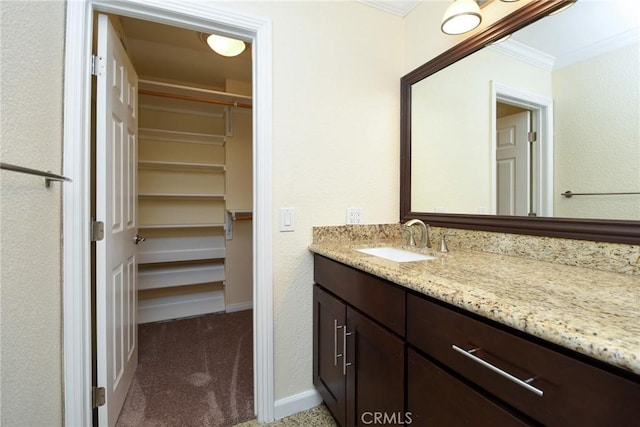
(77, 265)
(191, 180)
(522, 152)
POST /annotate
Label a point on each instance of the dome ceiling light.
(224, 46)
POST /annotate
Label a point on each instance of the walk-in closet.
(194, 242)
(194, 205)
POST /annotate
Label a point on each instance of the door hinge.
(97, 397)
(97, 230)
(97, 65)
(532, 136)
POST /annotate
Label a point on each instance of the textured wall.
(31, 118)
(335, 145)
(597, 137)
(336, 69)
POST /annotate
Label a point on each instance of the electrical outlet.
(354, 216)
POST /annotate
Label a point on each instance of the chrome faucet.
(425, 241)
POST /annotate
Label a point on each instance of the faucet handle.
(443, 244)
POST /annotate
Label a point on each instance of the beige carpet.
(193, 372)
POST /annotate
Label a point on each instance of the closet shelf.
(180, 166)
(181, 196)
(180, 136)
(177, 255)
(169, 277)
(172, 226)
(191, 91)
(240, 214)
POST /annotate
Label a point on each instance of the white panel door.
(116, 264)
(512, 169)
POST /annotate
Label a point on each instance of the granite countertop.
(596, 313)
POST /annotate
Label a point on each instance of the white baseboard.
(241, 306)
(296, 403)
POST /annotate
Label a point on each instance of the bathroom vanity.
(473, 338)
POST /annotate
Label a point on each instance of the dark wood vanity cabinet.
(460, 369)
(436, 398)
(358, 364)
(549, 387)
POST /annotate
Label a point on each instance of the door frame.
(541, 122)
(76, 200)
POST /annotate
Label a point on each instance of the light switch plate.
(287, 219)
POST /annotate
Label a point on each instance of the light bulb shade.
(461, 16)
(225, 46)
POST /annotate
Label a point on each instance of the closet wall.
(182, 204)
(239, 184)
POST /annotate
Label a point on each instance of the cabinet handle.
(344, 350)
(335, 342)
(497, 370)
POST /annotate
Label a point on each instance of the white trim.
(398, 8)
(525, 53)
(598, 48)
(240, 306)
(76, 249)
(76, 197)
(543, 124)
(297, 403)
(537, 58)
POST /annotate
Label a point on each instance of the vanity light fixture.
(461, 16)
(225, 46)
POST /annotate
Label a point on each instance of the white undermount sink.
(395, 254)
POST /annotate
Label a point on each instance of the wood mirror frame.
(618, 231)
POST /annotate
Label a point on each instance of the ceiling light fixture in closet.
(224, 46)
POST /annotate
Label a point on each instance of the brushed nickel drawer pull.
(344, 350)
(498, 371)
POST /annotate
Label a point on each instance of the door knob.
(137, 239)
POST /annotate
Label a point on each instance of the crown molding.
(398, 7)
(524, 53)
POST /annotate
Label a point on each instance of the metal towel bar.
(48, 176)
(569, 194)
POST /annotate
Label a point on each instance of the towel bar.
(48, 176)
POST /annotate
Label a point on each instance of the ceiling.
(177, 55)
(588, 28)
(172, 54)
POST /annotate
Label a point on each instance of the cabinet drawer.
(378, 298)
(436, 398)
(572, 392)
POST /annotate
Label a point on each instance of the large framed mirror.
(454, 170)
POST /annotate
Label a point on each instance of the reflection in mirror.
(573, 80)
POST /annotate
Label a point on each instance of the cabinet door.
(375, 373)
(436, 398)
(329, 318)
